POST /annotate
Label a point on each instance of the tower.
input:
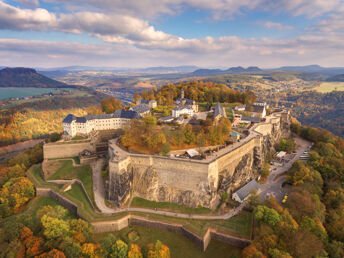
(182, 93)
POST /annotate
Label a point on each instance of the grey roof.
(181, 108)
(142, 108)
(250, 119)
(129, 114)
(260, 102)
(166, 118)
(254, 108)
(244, 191)
(187, 101)
(219, 110)
(146, 101)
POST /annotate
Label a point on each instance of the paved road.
(273, 186)
(98, 187)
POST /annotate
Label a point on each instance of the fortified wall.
(194, 182)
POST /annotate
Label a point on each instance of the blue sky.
(131, 33)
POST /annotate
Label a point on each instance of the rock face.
(195, 183)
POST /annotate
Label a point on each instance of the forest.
(199, 91)
(40, 118)
(319, 110)
(146, 136)
(311, 224)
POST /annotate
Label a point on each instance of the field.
(179, 245)
(330, 86)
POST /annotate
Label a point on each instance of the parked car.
(285, 198)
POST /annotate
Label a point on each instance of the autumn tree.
(158, 250)
(135, 251)
(109, 105)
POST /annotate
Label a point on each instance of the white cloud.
(29, 3)
(220, 9)
(276, 26)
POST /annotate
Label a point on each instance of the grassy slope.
(179, 245)
(143, 203)
(83, 173)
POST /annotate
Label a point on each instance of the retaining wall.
(65, 150)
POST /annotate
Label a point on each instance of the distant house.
(256, 110)
(142, 109)
(182, 110)
(235, 136)
(219, 112)
(261, 103)
(186, 102)
(240, 108)
(249, 120)
(192, 153)
(245, 191)
(167, 119)
(150, 103)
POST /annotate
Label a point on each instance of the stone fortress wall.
(192, 182)
(66, 150)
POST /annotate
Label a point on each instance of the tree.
(91, 250)
(109, 105)
(54, 228)
(150, 120)
(120, 250)
(267, 215)
(189, 135)
(52, 254)
(158, 250)
(252, 252)
(135, 251)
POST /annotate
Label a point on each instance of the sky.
(145, 33)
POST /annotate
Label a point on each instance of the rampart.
(66, 149)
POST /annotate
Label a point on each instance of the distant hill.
(313, 69)
(232, 70)
(336, 78)
(27, 77)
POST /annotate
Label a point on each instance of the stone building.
(182, 110)
(73, 125)
(219, 112)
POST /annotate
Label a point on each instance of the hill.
(232, 70)
(336, 78)
(313, 69)
(26, 77)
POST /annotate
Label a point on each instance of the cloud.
(220, 9)
(276, 26)
(225, 51)
(333, 24)
(29, 3)
(25, 19)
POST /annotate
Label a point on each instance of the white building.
(73, 125)
(178, 111)
(245, 191)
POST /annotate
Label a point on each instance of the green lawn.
(83, 173)
(78, 137)
(179, 245)
(143, 203)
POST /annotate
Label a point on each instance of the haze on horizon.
(218, 33)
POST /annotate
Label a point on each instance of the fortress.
(193, 182)
(183, 181)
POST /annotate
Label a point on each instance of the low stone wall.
(73, 181)
(87, 160)
(201, 242)
(47, 192)
(66, 149)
